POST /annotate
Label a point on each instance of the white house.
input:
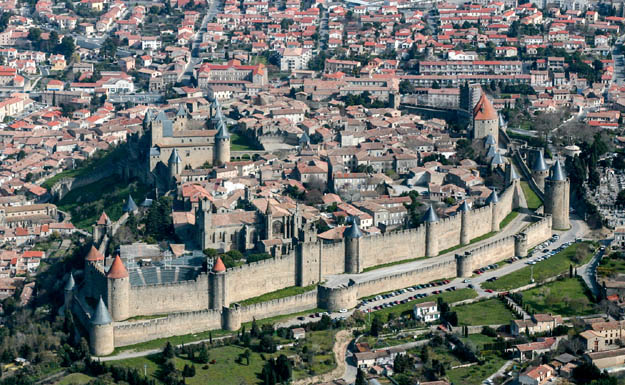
(426, 311)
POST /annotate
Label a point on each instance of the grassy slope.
(533, 201)
(553, 266)
(286, 292)
(489, 312)
(567, 297)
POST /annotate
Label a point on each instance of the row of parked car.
(485, 268)
(403, 291)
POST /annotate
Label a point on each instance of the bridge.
(247, 154)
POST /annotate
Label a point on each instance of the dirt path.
(340, 347)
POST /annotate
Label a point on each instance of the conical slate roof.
(219, 266)
(117, 270)
(182, 112)
(353, 231)
(491, 152)
(489, 140)
(101, 315)
(69, 285)
(174, 158)
(464, 206)
(430, 215)
(223, 132)
(161, 117)
(557, 174)
(513, 174)
(492, 198)
(539, 163)
(497, 159)
(304, 139)
(130, 205)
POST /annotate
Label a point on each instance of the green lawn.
(227, 370)
(474, 375)
(392, 264)
(175, 340)
(75, 379)
(489, 312)
(568, 297)
(447, 296)
(509, 218)
(286, 292)
(533, 201)
(611, 265)
(86, 203)
(479, 340)
(553, 266)
(240, 143)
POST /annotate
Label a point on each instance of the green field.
(447, 296)
(474, 375)
(75, 379)
(286, 292)
(392, 264)
(86, 203)
(551, 267)
(489, 312)
(533, 201)
(240, 143)
(479, 340)
(611, 265)
(509, 218)
(568, 297)
(227, 370)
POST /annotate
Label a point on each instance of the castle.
(485, 120)
(183, 299)
(178, 142)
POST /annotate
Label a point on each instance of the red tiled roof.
(219, 266)
(117, 270)
(484, 109)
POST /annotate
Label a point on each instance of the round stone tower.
(217, 285)
(69, 292)
(222, 141)
(431, 237)
(118, 282)
(232, 317)
(337, 298)
(352, 247)
(557, 191)
(464, 223)
(492, 201)
(540, 171)
(101, 337)
(520, 245)
(463, 265)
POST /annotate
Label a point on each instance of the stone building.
(557, 190)
(178, 142)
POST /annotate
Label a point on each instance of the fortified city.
(354, 192)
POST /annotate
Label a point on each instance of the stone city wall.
(478, 223)
(491, 253)
(281, 306)
(438, 270)
(254, 279)
(392, 247)
(538, 232)
(130, 333)
(169, 298)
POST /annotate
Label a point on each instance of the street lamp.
(531, 273)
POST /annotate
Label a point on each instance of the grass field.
(227, 370)
(489, 312)
(286, 292)
(392, 264)
(240, 143)
(509, 218)
(553, 266)
(533, 201)
(75, 379)
(479, 340)
(447, 296)
(86, 203)
(611, 266)
(474, 375)
(568, 297)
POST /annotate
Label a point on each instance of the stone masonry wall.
(130, 333)
(479, 223)
(169, 298)
(492, 253)
(261, 277)
(443, 269)
(392, 247)
(287, 305)
(538, 232)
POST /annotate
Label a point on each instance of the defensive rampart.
(169, 298)
(281, 306)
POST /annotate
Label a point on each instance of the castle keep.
(187, 300)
